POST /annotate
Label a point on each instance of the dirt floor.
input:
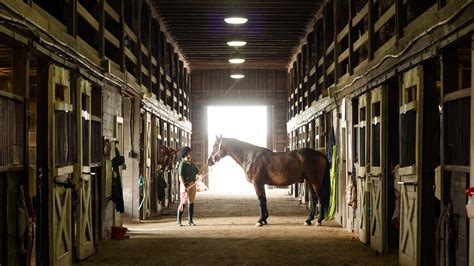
(226, 235)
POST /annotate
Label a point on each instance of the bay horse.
(265, 167)
(167, 157)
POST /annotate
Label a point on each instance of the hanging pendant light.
(236, 41)
(236, 58)
(237, 74)
(236, 17)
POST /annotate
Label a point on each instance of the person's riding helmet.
(184, 151)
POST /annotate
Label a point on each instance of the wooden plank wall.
(355, 46)
(112, 107)
(259, 87)
(131, 129)
(3, 218)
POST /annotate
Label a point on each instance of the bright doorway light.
(246, 123)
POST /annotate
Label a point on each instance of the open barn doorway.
(246, 123)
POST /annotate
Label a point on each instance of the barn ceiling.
(273, 30)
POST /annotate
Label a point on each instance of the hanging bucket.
(118, 232)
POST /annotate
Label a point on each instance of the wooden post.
(137, 14)
(442, 243)
(21, 85)
(165, 70)
(181, 88)
(176, 85)
(159, 59)
(305, 52)
(325, 46)
(370, 30)
(297, 83)
(122, 36)
(42, 163)
(173, 74)
(295, 88)
(351, 38)
(101, 37)
(71, 17)
(317, 74)
(188, 95)
(400, 19)
(169, 73)
(150, 54)
(335, 49)
(471, 174)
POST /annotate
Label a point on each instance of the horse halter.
(214, 158)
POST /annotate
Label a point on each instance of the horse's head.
(167, 157)
(217, 153)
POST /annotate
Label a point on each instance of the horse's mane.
(244, 144)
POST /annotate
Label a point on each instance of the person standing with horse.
(188, 172)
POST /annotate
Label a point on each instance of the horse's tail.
(326, 186)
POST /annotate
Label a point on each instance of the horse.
(167, 158)
(265, 167)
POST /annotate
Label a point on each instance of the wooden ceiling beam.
(274, 30)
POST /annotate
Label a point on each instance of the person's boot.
(179, 216)
(190, 213)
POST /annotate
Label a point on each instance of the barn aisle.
(226, 235)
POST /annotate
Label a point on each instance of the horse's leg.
(262, 200)
(319, 195)
(314, 201)
(265, 212)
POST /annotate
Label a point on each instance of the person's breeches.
(192, 194)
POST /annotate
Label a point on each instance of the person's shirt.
(188, 170)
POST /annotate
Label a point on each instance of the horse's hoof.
(258, 225)
(319, 224)
(307, 223)
(264, 222)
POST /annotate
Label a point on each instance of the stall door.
(147, 145)
(61, 224)
(63, 150)
(119, 140)
(84, 235)
(409, 172)
(376, 179)
(154, 162)
(342, 207)
(362, 188)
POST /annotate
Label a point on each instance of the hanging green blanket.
(331, 210)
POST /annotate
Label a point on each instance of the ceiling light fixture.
(236, 58)
(236, 17)
(237, 76)
(236, 41)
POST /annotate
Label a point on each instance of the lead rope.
(202, 176)
(208, 172)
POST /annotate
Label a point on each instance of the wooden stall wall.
(471, 160)
(131, 111)
(456, 86)
(14, 98)
(259, 87)
(112, 114)
(123, 50)
(350, 49)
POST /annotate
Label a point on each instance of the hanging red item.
(470, 203)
